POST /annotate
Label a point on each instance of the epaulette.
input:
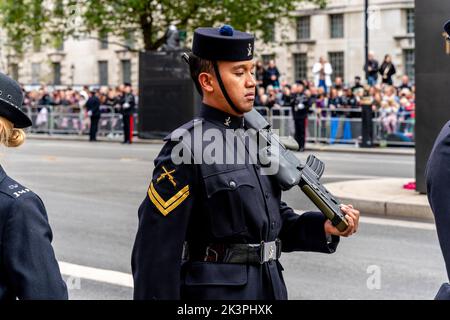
(13, 188)
(179, 132)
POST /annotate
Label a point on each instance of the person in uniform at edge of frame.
(437, 174)
(28, 267)
(216, 231)
(128, 104)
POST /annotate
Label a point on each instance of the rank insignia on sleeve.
(167, 174)
(165, 207)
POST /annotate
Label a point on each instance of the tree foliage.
(25, 20)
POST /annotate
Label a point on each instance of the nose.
(251, 82)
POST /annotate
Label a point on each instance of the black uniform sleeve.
(132, 101)
(438, 188)
(305, 232)
(163, 221)
(30, 262)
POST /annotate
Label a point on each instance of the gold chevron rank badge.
(166, 206)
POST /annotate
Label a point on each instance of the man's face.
(239, 81)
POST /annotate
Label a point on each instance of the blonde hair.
(10, 136)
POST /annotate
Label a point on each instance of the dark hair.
(196, 67)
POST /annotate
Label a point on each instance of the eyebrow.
(244, 66)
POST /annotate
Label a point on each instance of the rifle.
(292, 172)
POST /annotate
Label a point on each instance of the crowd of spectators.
(325, 96)
(328, 97)
(74, 99)
(70, 102)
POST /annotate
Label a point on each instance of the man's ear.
(206, 80)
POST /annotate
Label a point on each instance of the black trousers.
(94, 128)
(300, 132)
(126, 127)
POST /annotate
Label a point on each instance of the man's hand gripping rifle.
(292, 172)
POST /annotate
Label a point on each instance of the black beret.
(11, 99)
(223, 44)
(447, 27)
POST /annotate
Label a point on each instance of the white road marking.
(350, 176)
(96, 274)
(392, 222)
(398, 223)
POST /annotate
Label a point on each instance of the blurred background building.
(97, 60)
(336, 33)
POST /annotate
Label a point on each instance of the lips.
(250, 96)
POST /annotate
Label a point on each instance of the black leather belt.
(234, 253)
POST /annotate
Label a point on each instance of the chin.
(246, 107)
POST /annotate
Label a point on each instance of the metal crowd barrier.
(342, 125)
(75, 120)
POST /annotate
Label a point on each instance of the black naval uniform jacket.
(213, 203)
(438, 190)
(28, 268)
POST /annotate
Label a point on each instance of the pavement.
(383, 197)
(380, 197)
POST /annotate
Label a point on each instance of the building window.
(103, 41)
(336, 60)
(270, 36)
(14, 71)
(126, 71)
(37, 44)
(103, 73)
(35, 73)
(59, 44)
(266, 58)
(303, 28)
(57, 73)
(336, 26)
(301, 66)
(410, 19)
(410, 63)
(129, 39)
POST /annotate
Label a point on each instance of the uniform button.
(273, 225)
(267, 195)
(232, 184)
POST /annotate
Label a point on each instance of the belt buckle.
(268, 251)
